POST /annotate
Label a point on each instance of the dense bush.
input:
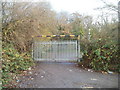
(100, 54)
(13, 62)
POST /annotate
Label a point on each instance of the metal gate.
(56, 50)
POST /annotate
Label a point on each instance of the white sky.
(85, 7)
(82, 6)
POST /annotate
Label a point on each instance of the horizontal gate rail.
(56, 42)
(57, 36)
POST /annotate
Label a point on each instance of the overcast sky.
(82, 6)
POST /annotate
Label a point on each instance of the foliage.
(13, 62)
(100, 54)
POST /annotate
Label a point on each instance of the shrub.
(13, 62)
(100, 54)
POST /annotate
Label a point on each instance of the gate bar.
(57, 36)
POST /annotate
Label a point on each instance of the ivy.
(13, 62)
(100, 55)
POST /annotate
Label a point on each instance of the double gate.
(67, 50)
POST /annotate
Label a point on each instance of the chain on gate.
(66, 50)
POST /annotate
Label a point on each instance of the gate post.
(78, 49)
(32, 48)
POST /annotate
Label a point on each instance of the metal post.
(32, 48)
(78, 40)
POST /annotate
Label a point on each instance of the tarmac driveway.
(66, 75)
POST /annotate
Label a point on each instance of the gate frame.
(78, 43)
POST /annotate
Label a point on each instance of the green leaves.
(100, 54)
(97, 52)
(13, 62)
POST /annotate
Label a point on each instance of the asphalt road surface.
(66, 75)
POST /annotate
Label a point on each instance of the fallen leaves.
(104, 72)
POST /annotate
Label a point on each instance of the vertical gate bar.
(50, 51)
(53, 51)
(61, 53)
(37, 51)
(73, 50)
(67, 49)
(62, 50)
(58, 51)
(70, 49)
(47, 50)
(79, 54)
(41, 49)
(76, 49)
(46, 47)
(32, 49)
